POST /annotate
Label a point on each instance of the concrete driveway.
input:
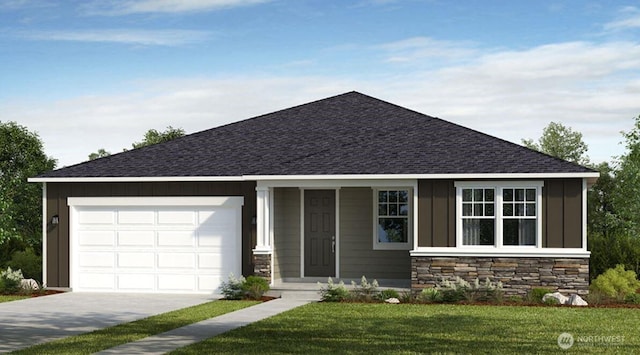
(36, 320)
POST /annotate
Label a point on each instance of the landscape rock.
(562, 299)
(392, 300)
(29, 284)
(576, 300)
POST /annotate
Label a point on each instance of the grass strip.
(7, 298)
(351, 328)
(106, 338)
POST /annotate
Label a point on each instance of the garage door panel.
(184, 238)
(176, 261)
(92, 217)
(177, 217)
(176, 282)
(154, 247)
(136, 282)
(136, 238)
(136, 260)
(136, 217)
(96, 281)
(96, 260)
(96, 238)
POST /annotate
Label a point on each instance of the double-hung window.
(499, 214)
(392, 218)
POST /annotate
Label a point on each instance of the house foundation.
(262, 265)
(517, 274)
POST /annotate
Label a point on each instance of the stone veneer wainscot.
(262, 265)
(518, 275)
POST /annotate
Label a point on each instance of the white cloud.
(590, 87)
(127, 7)
(420, 48)
(629, 19)
(124, 36)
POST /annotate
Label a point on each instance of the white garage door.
(154, 244)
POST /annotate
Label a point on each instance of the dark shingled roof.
(350, 133)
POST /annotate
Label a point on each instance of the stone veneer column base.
(518, 275)
(262, 265)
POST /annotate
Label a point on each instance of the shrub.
(551, 301)
(333, 292)
(535, 294)
(366, 290)
(28, 262)
(633, 298)
(386, 294)
(11, 280)
(460, 290)
(616, 283)
(430, 294)
(254, 287)
(406, 297)
(232, 289)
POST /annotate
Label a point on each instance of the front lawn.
(410, 328)
(7, 298)
(125, 333)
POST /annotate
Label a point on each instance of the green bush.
(535, 294)
(461, 290)
(430, 294)
(11, 280)
(551, 301)
(333, 292)
(232, 288)
(366, 290)
(611, 250)
(633, 298)
(386, 294)
(616, 283)
(28, 262)
(254, 287)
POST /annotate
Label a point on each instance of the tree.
(561, 142)
(101, 153)
(154, 137)
(626, 198)
(21, 157)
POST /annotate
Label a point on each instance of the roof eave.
(591, 176)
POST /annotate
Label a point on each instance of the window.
(499, 214)
(392, 226)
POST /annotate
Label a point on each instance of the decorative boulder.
(392, 300)
(562, 299)
(29, 284)
(576, 300)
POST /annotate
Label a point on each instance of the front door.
(319, 233)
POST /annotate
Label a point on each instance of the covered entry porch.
(310, 230)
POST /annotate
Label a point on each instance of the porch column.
(264, 233)
(263, 221)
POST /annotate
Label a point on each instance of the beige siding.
(286, 233)
(357, 257)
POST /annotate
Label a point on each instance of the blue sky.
(98, 74)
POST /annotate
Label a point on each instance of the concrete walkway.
(42, 319)
(193, 333)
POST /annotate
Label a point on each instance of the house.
(342, 187)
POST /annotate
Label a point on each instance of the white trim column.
(264, 218)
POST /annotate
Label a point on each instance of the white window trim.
(408, 245)
(498, 186)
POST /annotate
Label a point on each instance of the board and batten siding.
(561, 213)
(58, 236)
(357, 257)
(286, 233)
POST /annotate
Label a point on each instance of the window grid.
(392, 217)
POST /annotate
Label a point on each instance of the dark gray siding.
(58, 236)
(437, 208)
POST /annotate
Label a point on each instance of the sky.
(93, 74)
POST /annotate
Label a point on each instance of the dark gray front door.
(319, 233)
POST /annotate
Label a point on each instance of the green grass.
(404, 329)
(6, 298)
(124, 333)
